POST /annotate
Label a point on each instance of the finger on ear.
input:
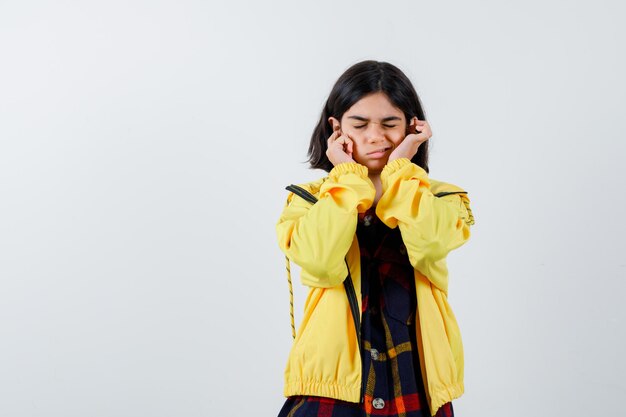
(414, 120)
(336, 125)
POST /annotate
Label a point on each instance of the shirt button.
(374, 354)
(378, 403)
(367, 219)
(403, 249)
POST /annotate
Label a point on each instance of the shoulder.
(443, 188)
(453, 192)
(312, 186)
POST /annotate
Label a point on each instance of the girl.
(378, 336)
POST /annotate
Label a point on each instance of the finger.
(416, 130)
(347, 141)
(333, 137)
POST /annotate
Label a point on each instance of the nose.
(375, 133)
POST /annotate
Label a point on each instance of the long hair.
(356, 82)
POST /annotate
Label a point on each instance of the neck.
(375, 178)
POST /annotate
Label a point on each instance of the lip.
(378, 153)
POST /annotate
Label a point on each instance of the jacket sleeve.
(430, 226)
(317, 237)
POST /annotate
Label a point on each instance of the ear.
(334, 123)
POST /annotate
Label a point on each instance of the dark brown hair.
(356, 82)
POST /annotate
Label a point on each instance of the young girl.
(378, 336)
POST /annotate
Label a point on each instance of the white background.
(145, 147)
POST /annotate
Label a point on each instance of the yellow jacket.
(324, 359)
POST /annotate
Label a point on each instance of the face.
(376, 127)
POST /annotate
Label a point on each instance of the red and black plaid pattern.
(391, 374)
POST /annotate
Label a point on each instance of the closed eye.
(385, 125)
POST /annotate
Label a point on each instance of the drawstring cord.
(293, 325)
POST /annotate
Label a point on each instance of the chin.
(373, 164)
(376, 165)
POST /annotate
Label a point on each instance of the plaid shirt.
(391, 373)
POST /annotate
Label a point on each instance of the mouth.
(380, 151)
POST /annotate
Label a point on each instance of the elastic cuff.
(394, 165)
(402, 168)
(348, 167)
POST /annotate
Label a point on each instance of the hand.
(408, 147)
(340, 147)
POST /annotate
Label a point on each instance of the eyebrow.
(383, 120)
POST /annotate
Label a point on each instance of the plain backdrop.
(144, 151)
